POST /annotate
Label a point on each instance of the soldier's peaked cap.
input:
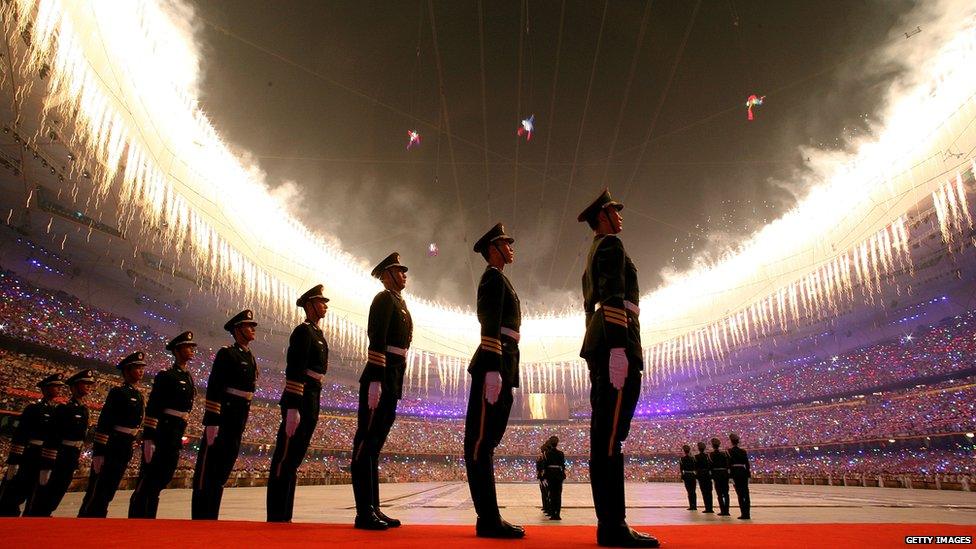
(495, 233)
(314, 293)
(602, 201)
(82, 376)
(137, 358)
(244, 317)
(186, 338)
(391, 261)
(52, 380)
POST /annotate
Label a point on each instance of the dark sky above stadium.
(321, 95)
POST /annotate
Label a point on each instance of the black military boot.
(391, 522)
(621, 535)
(369, 521)
(498, 528)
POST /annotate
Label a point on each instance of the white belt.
(177, 413)
(396, 350)
(240, 393)
(36, 442)
(511, 333)
(739, 465)
(683, 472)
(554, 467)
(73, 443)
(126, 430)
(632, 307)
(317, 376)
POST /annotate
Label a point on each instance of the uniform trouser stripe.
(284, 456)
(369, 427)
(203, 465)
(481, 429)
(616, 420)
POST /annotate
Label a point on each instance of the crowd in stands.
(946, 347)
(420, 449)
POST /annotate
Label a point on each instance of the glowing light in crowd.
(124, 74)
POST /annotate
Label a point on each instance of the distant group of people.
(551, 471)
(715, 469)
(611, 347)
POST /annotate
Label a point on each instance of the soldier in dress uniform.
(62, 447)
(170, 402)
(230, 389)
(555, 474)
(390, 330)
(494, 373)
(307, 361)
(23, 462)
(703, 471)
(613, 354)
(540, 468)
(720, 476)
(115, 434)
(739, 463)
(687, 468)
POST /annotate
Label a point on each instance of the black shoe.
(708, 511)
(370, 522)
(555, 517)
(691, 509)
(745, 518)
(390, 522)
(624, 536)
(724, 515)
(501, 530)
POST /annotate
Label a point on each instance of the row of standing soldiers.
(550, 469)
(611, 348)
(716, 468)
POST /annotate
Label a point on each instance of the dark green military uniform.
(687, 472)
(62, 449)
(170, 403)
(307, 360)
(33, 429)
(230, 389)
(703, 472)
(540, 468)
(390, 331)
(720, 480)
(739, 463)
(555, 474)
(610, 298)
(116, 431)
(500, 316)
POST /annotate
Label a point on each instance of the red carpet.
(63, 532)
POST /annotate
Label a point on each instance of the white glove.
(148, 448)
(493, 386)
(210, 433)
(292, 417)
(618, 367)
(44, 477)
(97, 463)
(373, 398)
(12, 470)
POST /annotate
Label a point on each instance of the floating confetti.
(414, 136)
(528, 126)
(754, 101)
